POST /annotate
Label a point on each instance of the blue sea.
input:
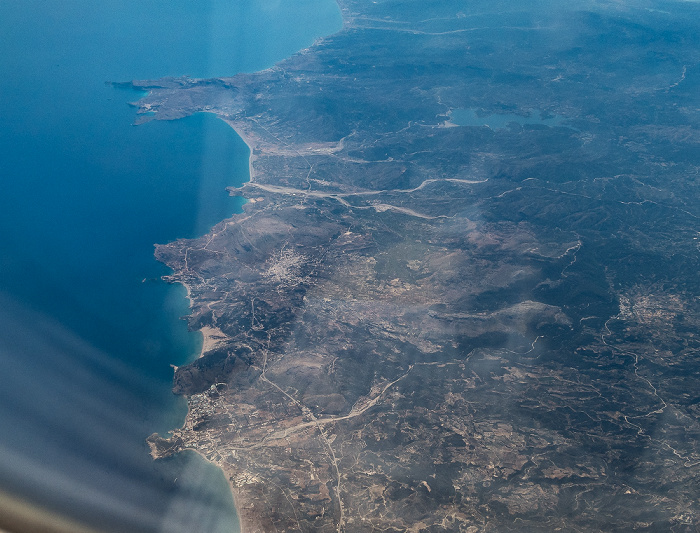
(88, 331)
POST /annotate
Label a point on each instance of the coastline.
(387, 322)
(213, 337)
(247, 139)
(247, 524)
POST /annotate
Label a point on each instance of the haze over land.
(431, 326)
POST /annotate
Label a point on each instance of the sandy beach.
(213, 338)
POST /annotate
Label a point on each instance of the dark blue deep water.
(87, 329)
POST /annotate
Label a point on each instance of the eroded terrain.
(428, 327)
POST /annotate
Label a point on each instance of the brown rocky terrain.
(430, 327)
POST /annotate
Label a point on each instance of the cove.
(87, 329)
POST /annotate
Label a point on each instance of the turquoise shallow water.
(87, 330)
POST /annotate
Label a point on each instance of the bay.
(87, 330)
